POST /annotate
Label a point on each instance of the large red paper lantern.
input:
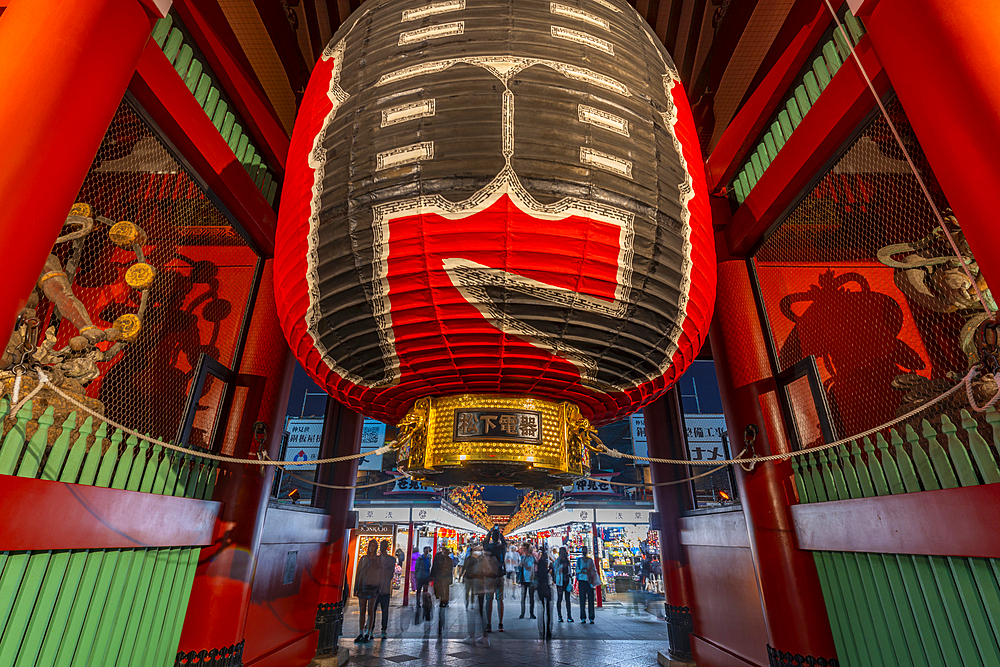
(496, 198)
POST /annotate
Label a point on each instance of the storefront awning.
(438, 515)
(562, 516)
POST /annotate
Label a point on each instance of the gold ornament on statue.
(126, 233)
(130, 325)
(492, 439)
(140, 275)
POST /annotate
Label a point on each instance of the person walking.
(422, 570)
(564, 584)
(513, 560)
(526, 575)
(544, 588)
(586, 577)
(413, 569)
(400, 556)
(388, 564)
(367, 584)
(496, 548)
(442, 572)
(480, 573)
(466, 572)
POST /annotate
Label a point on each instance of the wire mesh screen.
(146, 277)
(860, 277)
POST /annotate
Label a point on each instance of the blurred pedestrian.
(388, 564)
(481, 572)
(496, 548)
(588, 581)
(544, 588)
(367, 584)
(526, 575)
(564, 584)
(422, 570)
(442, 572)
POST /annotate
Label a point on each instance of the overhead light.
(529, 459)
(461, 457)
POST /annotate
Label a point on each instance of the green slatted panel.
(822, 73)
(202, 90)
(162, 29)
(272, 192)
(777, 135)
(211, 101)
(738, 188)
(183, 61)
(770, 148)
(219, 117)
(926, 611)
(831, 55)
(241, 147)
(227, 125)
(193, 78)
(854, 27)
(173, 45)
(234, 138)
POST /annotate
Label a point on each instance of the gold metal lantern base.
(495, 440)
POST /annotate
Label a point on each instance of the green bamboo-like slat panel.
(100, 607)
(821, 71)
(192, 71)
(888, 609)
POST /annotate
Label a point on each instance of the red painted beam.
(948, 522)
(748, 124)
(210, 29)
(39, 515)
(173, 108)
(835, 116)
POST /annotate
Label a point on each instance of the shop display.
(573, 259)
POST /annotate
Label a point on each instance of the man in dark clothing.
(496, 546)
(388, 562)
(544, 589)
(441, 573)
(422, 570)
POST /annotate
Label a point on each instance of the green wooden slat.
(149, 649)
(241, 147)
(14, 442)
(185, 575)
(162, 29)
(202, 90)
(173, 44)
(833, 59)
(258, 177)
(958, 453)
(14, 569)
(49, 569)
(219, 117)
(785, 121)
(210, 481)
(802, 100)
(184, 57)
(193, 77)
(235, 136)
(765, 161)
(988, 595)
(256, 160)
(227, 125)
(266, 185)
(78, 637)
(92, 460)
(821, 73)
(738, 191)
(125, 459)
(812, 87)
(778, 135)
(60, 448)
(794, 114)
(907, 474)
(31, 459)
(843, 45)
(211, 101)
(939, 457)
(854, 26)
(745, 182)
(72, 563)
(756, 167)
(922, 462)
(272, 191)
(770, 147)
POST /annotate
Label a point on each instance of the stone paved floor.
(624, 634)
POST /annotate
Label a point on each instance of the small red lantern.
(494, 228)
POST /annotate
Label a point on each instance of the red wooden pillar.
(942, 59)
(792, 601)
(220, 595)
(64, 67)
(343, 438)
(666, 441)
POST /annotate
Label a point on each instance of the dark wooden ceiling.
(720, 47)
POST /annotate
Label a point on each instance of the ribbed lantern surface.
(495, 197)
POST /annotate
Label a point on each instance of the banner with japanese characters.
(595, 485)
(305, 435)
(706, 437)
(411, 486)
